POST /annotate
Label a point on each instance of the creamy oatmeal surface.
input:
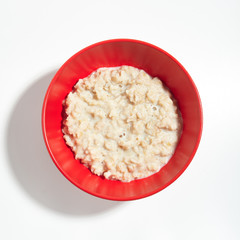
(121, 123)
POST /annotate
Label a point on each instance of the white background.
(37, 37)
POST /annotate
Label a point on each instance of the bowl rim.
(44, 115)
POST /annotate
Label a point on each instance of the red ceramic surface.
(157, 63)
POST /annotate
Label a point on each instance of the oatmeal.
(121, 123)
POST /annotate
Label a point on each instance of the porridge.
(121, 123)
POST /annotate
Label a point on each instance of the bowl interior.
(157, 63)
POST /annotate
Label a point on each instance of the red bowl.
(157, 63)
